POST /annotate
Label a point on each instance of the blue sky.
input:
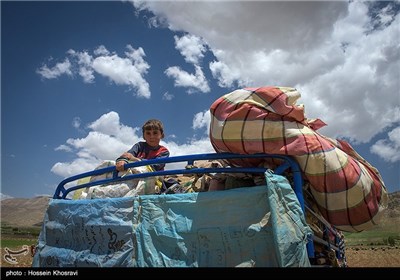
(79, 78)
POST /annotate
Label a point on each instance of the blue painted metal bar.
(61, 192)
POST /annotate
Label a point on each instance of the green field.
(12, 236)
(380, 235)
(12, 242)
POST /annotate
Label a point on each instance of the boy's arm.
(123, 159)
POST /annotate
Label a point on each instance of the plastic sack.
(149, 185)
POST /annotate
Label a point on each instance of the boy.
(153, 132)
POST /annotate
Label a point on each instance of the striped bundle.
(348, 191)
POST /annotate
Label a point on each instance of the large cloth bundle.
(348, 191)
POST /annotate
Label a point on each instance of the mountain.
(392, 215)
(394, 203)
(24, 212)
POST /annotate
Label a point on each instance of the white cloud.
(167, 96)
(128, 70)
(109, 124)
(243, 26)
(63, 148)
(226, 77)
(359, 97)
(182, 78)
(332, 52)
(194, 146)
(101, 51)
(385, 16)
(191, 47)
(202, 120)
(106, 140)
(125, 71)
(388, 149)
(76, 122)
(77, 166)
(55, 71)
(84, 62)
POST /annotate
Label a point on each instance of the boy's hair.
(153, 124)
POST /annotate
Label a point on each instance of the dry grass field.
(382, 256)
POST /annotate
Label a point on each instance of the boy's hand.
(119, 165)
(127, 156)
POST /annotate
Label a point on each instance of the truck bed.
(266, 225)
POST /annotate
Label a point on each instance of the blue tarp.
(260, 226)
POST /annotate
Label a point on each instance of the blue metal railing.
(61, 192)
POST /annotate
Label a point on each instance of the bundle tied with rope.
(348, 191)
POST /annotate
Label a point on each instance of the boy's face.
(152, 137)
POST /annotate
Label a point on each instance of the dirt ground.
(355, 256)
(16, 257)
(373, 256)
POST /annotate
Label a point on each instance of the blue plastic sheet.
(260, 226)
(86, 233)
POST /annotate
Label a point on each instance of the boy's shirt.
(143, 151)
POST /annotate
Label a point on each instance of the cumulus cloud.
(125, 71)
(128, 71)
(202, 120)
(344, 57)
(63, 148)
(57, 70)
(167, 96)
(84, 62)
(101, 51)
(388, 149)
(106, 140)
(76, 122)
(193, 82)
(77, 166)
(226, 77)
(191, 47)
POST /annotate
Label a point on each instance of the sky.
(80, 78)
